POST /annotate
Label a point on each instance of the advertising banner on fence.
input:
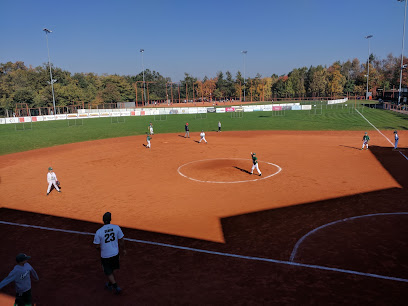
(174, 111)
(277, 108)
(49, 117)
(268, 108)
(287, 107)
(201, 110)
(211, 110)
(82, 115)
(306, 107)
(230, 109)
(183, 110)
(61, 117)
(72, 116)
(192, 110)
(220, 110)
(94, 115)
(296, 107)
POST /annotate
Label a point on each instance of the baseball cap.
(22, 257)
(49, 168)
(187, 123)
(107, 216)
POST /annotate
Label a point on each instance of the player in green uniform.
(148, 138)
(366, 139)
(255, 164)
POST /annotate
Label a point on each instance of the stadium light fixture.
(368, 62)
(244, 53)
(402, 52)
(144, 85)
(52, 81)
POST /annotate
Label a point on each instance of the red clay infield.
(143, 188)
(187, 189)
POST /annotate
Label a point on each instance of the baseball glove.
(58, 183)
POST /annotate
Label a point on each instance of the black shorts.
(110, 264)
(23, 299)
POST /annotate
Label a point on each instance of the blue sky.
(197, 37)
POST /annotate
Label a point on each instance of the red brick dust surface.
(202, 196)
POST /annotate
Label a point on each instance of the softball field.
(326, 223)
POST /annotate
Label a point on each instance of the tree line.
(22, 84)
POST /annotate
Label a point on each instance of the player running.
(255, 164)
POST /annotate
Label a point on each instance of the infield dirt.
(143, 188)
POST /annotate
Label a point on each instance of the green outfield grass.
(51, 133)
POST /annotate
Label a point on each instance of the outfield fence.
(161, 113)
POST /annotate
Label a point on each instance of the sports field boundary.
(301, 240)
(380, 133)
(261, 259)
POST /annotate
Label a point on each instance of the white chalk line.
(380, 132)
(300, 241)
(261, 259)
(222, 182)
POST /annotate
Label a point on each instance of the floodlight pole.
(144, 85)
(244, 53)
(49, 64)
(402, 53)
(368, 62)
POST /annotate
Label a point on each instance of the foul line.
(289, 263)
(295, 249)
(380, 132)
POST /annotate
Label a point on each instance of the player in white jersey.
(52, 180)
(202, 135)
(107, 239)
(151, 129)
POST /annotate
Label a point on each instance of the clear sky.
(197, 37)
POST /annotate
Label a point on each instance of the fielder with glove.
(255, 164)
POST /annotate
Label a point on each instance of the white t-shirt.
(107, 237)
(51, 176)
(202, 134)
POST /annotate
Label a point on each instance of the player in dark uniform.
(21, 276)
(255, 164)
(187, 131)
